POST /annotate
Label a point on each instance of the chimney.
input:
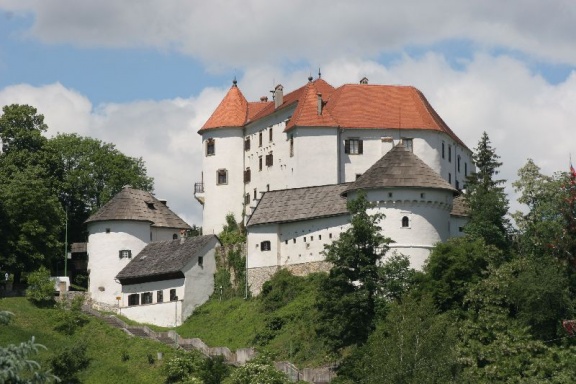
(278, 96)
(264, 99)
(319, 103)
(182, 236)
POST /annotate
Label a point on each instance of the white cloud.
(242, 32)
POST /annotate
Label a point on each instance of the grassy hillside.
(106, 345)
(281, 320)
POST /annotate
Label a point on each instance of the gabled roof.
(299, 204)
(306, 112)
(231, 112)
(163, 260)
(400, 168)
(137, 205)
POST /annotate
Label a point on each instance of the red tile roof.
(351, 106)
(231, 112)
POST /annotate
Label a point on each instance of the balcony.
(199, 192)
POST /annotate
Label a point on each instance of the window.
(319, 237)
(449, 153)
(269, 160)
(450, 178)
(201, 261)
(159, 296)
(294, 240)
(146, 298)
(286, 242)
(422, 195)
(457, 185)
(259, 163)
(443, 150)
(247, 144)
(134, 299)
(150, 205)
(247, 175)
(353, 146)
(358, 176)
(407, 144)
(221, 177)
(405, 222)
(270, 134)
(174, 236)
(465, 169)
(329, 235)
(125, 254)
(210, 147)
(390, 195)
(173, 296)
(304, 238)
(255, 194)
(247, 199)
(265, 245)
(260, 138)
(458, 163)
(107, 230)
(291, 146)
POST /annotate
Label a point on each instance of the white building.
(139, 263)
(315, 135)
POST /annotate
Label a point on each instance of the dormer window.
(150, 205)
(210, 147)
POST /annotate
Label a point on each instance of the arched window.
(174, 236)
(265, 245)
(405, 222)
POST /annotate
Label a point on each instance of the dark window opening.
(146, 298)
(443, 150)
(269, 160)
(247, 199)
(405, 222)
(159, 296)
(270, 134)
(291, 146)
(134, 299)
(319, 237)
(408, 144)
(247, 175)
(458, 163)
(255, 194)
(151, 205)
(260, 138)
(173, 296)
(247, 144)
(210, 147)
(201, 261)
(259, 163)
(450, 178)
(465, 169)
(174, 236)
(107, 230)
(449, 153)
(294, 240)
(353, 146)
(125, 254)
(221, 177)
(265, 245)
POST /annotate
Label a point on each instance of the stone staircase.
(239, 357)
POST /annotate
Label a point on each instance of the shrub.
(40, 288)
(69, 362)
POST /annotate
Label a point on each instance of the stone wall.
(258, 276)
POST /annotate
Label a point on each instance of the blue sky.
(145, 74)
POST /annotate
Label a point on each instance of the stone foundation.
(258, 276)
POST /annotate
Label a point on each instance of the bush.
(40, 288)
(70, 316)
(69, 362)
(281, 289)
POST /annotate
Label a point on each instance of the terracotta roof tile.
(306, 113)
(137, 205)
(231, 112)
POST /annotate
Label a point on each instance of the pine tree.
(486, 199)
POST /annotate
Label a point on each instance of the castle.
(286, 167)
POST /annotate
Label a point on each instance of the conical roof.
(136, 205)
(400, 168)
(231, 112)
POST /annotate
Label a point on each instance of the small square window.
(107, 230)
(265, 245)
(221, 177)
(422, 195)
(159, 296)
(210, 147)
(353, 146)
(390, 194)
(146, 298)
(125, 254)
(134, 299)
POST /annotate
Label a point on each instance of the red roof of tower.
(231, 112)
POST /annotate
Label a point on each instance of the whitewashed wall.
(103, 255)
(199, 283)
(224, 198)
(163, 234)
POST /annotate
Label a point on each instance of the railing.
(198, 188)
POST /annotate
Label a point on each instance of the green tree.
(414, 344)
(486, 199)
(40, 288)
(89, 173)
(347, 300)
(455, 266)
(16, 366)
(69, 362)
(542, 225)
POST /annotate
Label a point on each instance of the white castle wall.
(199, 283)
(103, 249)
(223, 198)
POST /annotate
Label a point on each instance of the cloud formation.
(242, 32)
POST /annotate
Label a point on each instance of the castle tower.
(119, 231)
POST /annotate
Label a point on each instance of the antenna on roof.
(319, 73)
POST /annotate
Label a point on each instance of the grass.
(106, 345)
